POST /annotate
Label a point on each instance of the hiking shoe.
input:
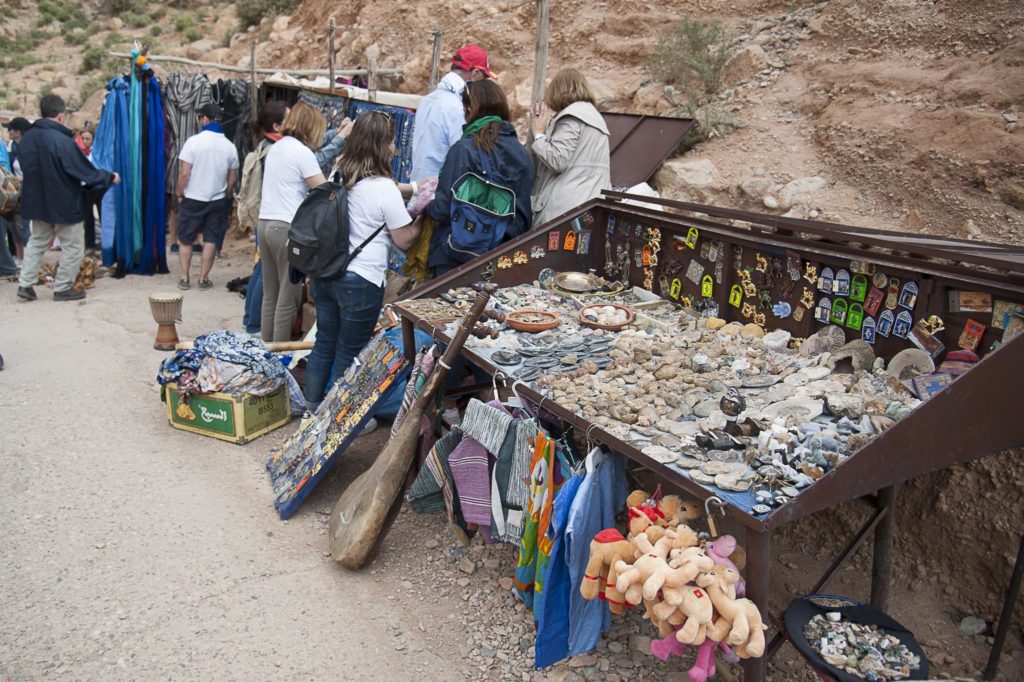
(184, 285)
(205, 284)
(174, 247)
(26, 293)
(370, 427)
(68, 295)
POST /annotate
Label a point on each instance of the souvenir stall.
(130, 141)
(768, 368)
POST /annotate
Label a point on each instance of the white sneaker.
(451, 416)
(370, 427)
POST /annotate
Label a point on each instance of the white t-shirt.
(211, 156)
(371, 203)
(288, 164)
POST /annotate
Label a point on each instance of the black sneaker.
(205, 284)
(68, 295)
(174, 248)
(26, 293)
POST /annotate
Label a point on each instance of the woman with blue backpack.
(483, 192)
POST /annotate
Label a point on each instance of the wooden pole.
(254, 97)
(371, 78)
(265, 71)
(435, 59)
(330, 52)
(540, 66)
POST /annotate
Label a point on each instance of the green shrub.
(138, 20)
(692, 54)
(251, 12)
(159, 13)
(92, 59)
(155, 30)
(192, 35)
(184, 22)
(120, 7)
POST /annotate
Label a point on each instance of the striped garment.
(433, 489)
(470, 466)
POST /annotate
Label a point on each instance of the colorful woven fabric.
(434, 487)
(403, 120)
(470, 466)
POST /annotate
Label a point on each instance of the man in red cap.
(440, 117)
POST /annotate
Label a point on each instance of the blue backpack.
(481, 213)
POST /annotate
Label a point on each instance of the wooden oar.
(360, 515)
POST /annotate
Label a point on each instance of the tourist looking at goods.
(17, 225)
(92, 198)
(440, 116)
(490, 150)
(290, 171)
(347, 307)
(56, 173)
(570, 150)
(206, 181)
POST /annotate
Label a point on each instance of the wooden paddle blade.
(359, 514)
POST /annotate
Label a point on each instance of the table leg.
(757, 573)
(409, 340)
(881, 559)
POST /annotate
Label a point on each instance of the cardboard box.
(235, 418)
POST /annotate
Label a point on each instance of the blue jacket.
(54, 170)
(439, 121)
(5, 158)
(511, 167)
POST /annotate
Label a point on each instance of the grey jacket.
(572, 161)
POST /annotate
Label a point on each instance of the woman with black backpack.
(483, 192)
(347, 306)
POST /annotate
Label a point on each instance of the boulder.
(801, 189)
(745, 64)
(857, 355)
(691, 179)
(604, 94)
(281, 23)
(199, 48)
(910, 362)
(830, 338)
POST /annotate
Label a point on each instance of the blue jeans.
(346, 313)
(253, 316)
(7, 264)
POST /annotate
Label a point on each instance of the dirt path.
(133, 551)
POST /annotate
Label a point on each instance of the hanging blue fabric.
(403, 119)
(154, 252)
(551, 606)
(103, 158)
(122, 248)
(135, 162)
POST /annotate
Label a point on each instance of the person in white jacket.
(570, 151)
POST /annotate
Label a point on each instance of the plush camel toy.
(686, 565)
(739, 621)
(599, 579)
(646, 575)
(696, 611)
(724, 551)
(641, 521)
(670, 511)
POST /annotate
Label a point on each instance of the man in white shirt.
(440, 116)
(209, 164)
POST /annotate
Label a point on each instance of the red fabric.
(273, 137)
(609, 535)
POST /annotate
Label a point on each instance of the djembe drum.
(166, 309)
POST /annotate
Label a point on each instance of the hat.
(19, 123)
(211, 111)
(473, 58)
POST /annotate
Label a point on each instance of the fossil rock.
(828, 339)
(855, 356)
(909, 363)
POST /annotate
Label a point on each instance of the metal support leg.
(1006, 615)
(881, 560)
(757, 573)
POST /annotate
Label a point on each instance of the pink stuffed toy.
(720, 549)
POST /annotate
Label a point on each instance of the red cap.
(473, 58)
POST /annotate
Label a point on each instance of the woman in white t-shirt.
(290, 171)
(347, 307)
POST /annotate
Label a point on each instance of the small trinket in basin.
(532, 321)
(610, 316)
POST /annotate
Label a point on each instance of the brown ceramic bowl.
(532, 321)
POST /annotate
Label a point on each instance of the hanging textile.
(104, 155)
(510, 493)
(403, 119)
(183, 95)
(234, 99)
(551, 606)
(154, 251)
(135, 164)
(334, 109)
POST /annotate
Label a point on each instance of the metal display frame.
(976, 415)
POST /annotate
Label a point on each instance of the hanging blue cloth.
(601, 495)
(154, 252)
(103, 158)
(135, 163)
(403, 119)
(551, 606)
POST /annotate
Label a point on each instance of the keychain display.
(841, 283)
(855, 317)
(839, 310)
(825, 280)
(908, 295)
(570, 241)
(867, 330)
(823, 311)
(554, 240)
(735, 295)
(873, 301)
(858, 288)
(885, 322)
(583, 247)
(901, 327)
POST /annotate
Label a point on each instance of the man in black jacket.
(56, 173)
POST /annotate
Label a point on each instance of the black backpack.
(318, 236)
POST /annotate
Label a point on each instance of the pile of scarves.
(499, 472)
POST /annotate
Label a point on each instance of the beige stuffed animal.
(745, 627)
(607, 548)
(645, 576)
(686, 565)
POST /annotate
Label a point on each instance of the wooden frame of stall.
(932, 437)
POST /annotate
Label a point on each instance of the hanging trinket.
(718, 272)
(793, 265)
(520, 257)
(933, 324)
(735, 295)
(971, 335)
(782, 310)
(587, 218)
(880, 280)
(873, 302)
(892, 298)
(885, 322)
(663, 285)
(676, 289)
(638, 257)
(901, 327)
(922, 337)
(538, 252)
(762, 263)
(710, 307)
(638, 230)
(705, 249)
(714, 250)
(646, 257)
(737, 257)
(839, 311)
(554, 240)
(867, 330)
(691, 237)
(859, 288)
(908, 295)
(624, 264)
(504, 263)
(811, 273)
(707, 286)
(841, 283)
(583, 248)
(747, 311)
(749, 288)
(488, 272)
(807, 299)
(613, 220)
(855, 317)
(686, 301)
(798, 313)
(823, 311)
(862, 267)
(825, 280)
(764, 299)
(576, 224)
(694, 271)
(759, 318)
(570, 241)
(788, 288)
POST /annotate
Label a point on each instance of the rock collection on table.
(860, 650)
